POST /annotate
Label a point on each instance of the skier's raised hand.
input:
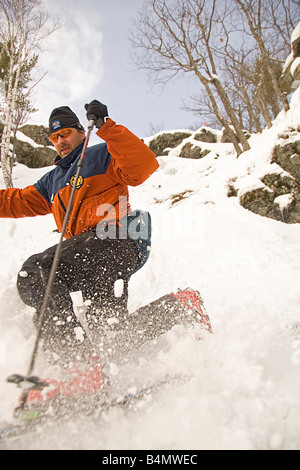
(97, 112)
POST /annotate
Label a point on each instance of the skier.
(105, 242)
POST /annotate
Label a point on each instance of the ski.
(37, 420)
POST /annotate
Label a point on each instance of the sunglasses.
(62, 133)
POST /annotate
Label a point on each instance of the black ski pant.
(87, 264)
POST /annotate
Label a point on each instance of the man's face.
(65, 144)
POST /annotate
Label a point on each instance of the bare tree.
(237, 63)
(255, 11)
(183, 36)
(267, 26)
(235, 49)
(24, 24)
(252, 77)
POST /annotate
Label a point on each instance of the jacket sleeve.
(27, 202)
(132, 160)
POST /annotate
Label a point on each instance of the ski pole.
(58, 251)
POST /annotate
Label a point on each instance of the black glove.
(97, 112)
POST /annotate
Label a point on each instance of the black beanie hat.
(63, 117)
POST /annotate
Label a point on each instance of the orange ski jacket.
(110, 167)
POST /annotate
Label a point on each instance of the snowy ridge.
(244, 393)
(25, 138)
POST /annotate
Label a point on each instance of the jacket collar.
(67, 161)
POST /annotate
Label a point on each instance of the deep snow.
(244, 391)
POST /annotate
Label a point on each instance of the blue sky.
(89, 57)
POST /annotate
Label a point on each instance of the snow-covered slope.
(244, 391)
